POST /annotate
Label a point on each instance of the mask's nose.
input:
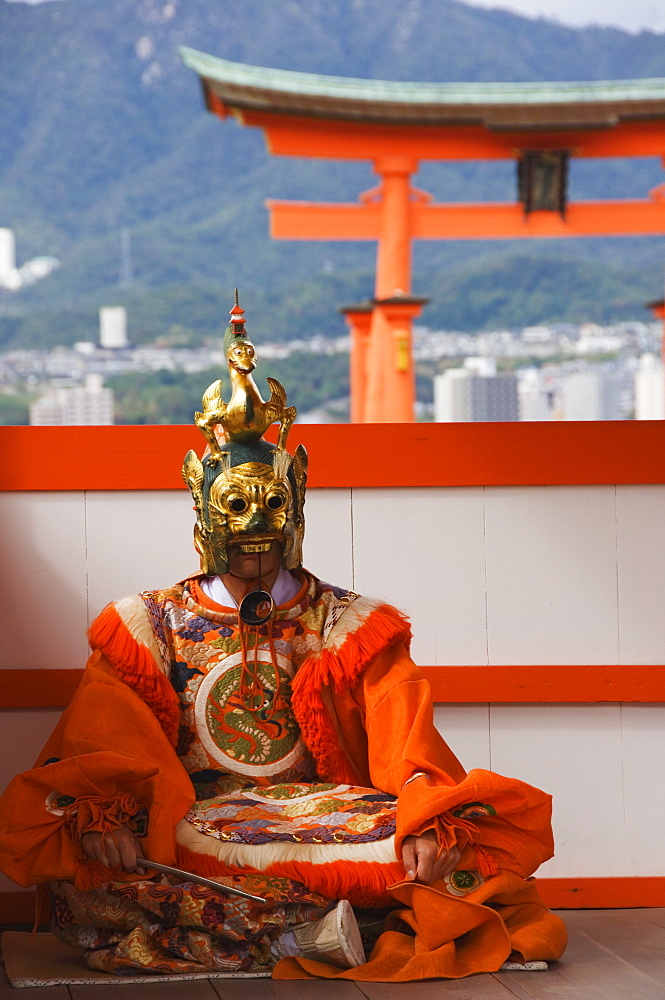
(256, 524)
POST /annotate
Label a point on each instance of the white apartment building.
(649, 389)
(591, 396)
(533, 395)
(452, 396)
(9, 276)
(113, 327)
(91, 403)
(12, 277)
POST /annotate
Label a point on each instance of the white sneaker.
(334, 939)
(524, 967)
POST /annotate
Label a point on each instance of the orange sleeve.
(409, 759)
(108, 744)
(123, 634)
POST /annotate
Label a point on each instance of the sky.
(631, 15)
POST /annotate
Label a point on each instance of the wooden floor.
(612, 955)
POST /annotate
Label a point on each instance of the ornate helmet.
(246, 491)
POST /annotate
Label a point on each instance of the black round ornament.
(256, 607)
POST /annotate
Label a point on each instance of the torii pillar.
(383, 384)
(389, 375)
(358, 318)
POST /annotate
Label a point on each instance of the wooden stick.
(199, 879)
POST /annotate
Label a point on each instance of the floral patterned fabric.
(308, 814)
(177, 927)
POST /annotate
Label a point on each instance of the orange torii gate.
(395, 125)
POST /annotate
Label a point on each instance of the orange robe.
(365, 714)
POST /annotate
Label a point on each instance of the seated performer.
(256, 726)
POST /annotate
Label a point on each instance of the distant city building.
(649, 389)
(88, 404)
(594, 339)
(495, 397)
(537, 335)
(591, 396)
(475, 392)
(13, 278)
(452, 396)
(113, 327)
(85, 347)
(533, 395)
(9, 276)
(485, 366)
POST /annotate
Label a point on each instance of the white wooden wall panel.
(642, 759)
(574, 753)
(24, 733)
(422, 550)
(43, 580)
(466, 730)
(327, 550)
(641, 573)
(137, 541)
(551, 575)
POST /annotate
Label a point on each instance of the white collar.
(284, 589)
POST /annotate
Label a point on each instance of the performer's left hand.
(419, 856)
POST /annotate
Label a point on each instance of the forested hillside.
(104, 131)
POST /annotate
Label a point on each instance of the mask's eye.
(237, 504)
(275, 501)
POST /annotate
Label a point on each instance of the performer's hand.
(114, 849)
(419, 856)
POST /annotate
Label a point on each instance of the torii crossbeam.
(394, 125)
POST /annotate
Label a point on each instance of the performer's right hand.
(423, 859)
(114, 849)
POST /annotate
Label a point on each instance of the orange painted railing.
(510, 684)
(350, 455)
(557, 893)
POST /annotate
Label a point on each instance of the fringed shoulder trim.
(123, 634)
(365, 629)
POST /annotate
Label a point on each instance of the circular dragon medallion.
(263, 741)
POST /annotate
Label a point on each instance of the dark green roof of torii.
(498, 105)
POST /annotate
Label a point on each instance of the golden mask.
(246, 491)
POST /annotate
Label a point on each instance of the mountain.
(104, 132)
(521, 290)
